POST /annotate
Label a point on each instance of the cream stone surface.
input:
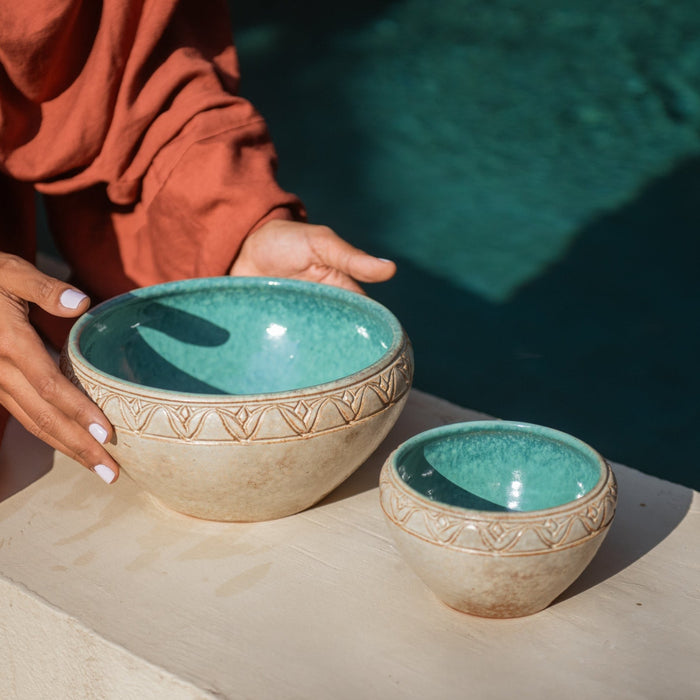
(104, 594)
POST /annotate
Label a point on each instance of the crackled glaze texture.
(242, 398)
(234, 336)
(497, 518)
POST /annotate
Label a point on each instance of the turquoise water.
(534, 169)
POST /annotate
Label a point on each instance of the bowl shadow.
(648, 511)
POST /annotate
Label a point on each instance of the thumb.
(22, 280)
(344, 257)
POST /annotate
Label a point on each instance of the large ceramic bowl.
(242, 399)
(497, 518)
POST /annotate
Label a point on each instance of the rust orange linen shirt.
(125, 115)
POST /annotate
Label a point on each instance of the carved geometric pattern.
(245, 419)
(514, 533)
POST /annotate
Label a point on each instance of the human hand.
(32, 387)
(293, 249)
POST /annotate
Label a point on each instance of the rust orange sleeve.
(125, 114)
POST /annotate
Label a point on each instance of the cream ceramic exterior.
(496, 564)
(248, 458)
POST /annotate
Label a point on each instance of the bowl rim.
(604, 476)
(80, 363)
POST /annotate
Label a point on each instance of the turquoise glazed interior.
(235, 335)
(498, 466)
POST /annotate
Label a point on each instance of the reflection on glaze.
(275, 330)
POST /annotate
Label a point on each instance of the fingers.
(338, 254)
(60, 413)
(21, 280)
(334, 278)
(282, 248)
(52, 408)
(64, 435)
(367, 268)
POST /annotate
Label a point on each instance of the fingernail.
(385, 260)
(98, 432)
(72, 298)
(105, 473)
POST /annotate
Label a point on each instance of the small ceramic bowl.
(497, 518)
(242, 399)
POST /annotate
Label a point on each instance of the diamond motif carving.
(514, 533)
(246, 419)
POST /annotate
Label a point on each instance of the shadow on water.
(603, 345)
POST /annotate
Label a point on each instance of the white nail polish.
(104, 472)
(72, 298)
(98, 432)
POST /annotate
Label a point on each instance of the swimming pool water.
(534, 170)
